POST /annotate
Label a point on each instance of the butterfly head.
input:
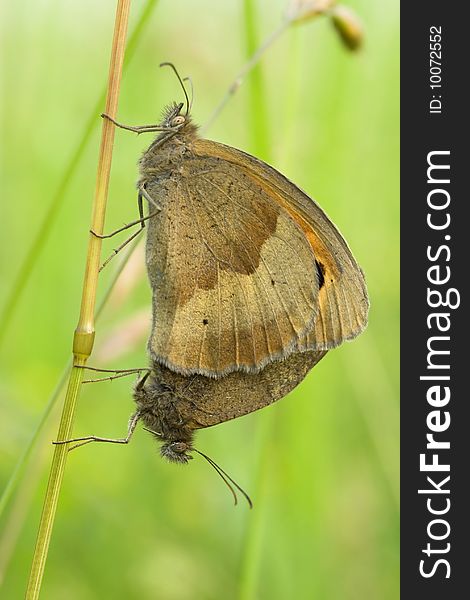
(176, 452)
(176, 116)
(172, 119)
(157, 404)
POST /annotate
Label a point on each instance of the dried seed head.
(348, 26)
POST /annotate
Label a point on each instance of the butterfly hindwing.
(203, 402)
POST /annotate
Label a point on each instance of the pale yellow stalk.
(85, 331)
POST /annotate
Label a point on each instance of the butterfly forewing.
(342, 297)
(234, 277)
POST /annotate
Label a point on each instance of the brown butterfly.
(252, 283)
(245, 268)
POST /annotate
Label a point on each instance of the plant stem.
(85, 332)
(257, 114)
(34, 251)
(251, 555)
(17, 478)
(252, 62)
(253, 535)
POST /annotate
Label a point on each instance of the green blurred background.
(321, 465)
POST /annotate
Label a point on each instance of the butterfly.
(245, 268)
(252, 284)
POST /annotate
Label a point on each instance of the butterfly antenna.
(192, 92)
(226, 479)
(172, 66)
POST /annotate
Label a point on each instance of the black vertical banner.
(435, 250)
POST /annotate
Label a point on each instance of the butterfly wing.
(343, 302)
(234, 278)
(203, 401)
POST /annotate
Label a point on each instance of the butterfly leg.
(136, 129)
(143, 192)
(140, 221)
(81, 441)
(117, 373)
